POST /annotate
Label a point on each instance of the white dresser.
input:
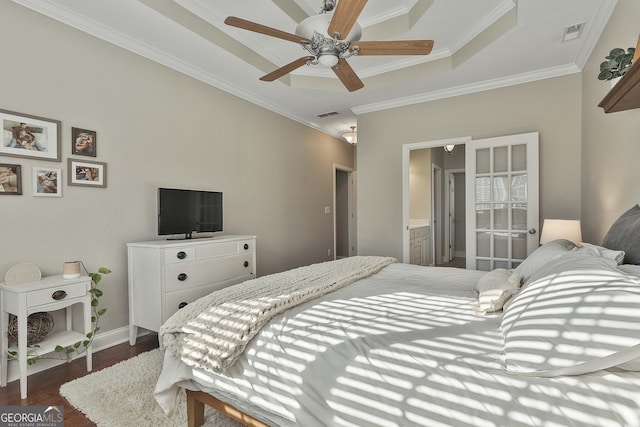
(165, 275)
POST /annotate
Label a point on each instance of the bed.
(554, 342)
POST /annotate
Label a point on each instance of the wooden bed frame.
(195, 410)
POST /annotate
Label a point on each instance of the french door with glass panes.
(502, 200)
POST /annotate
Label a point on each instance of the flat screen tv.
(188, 211)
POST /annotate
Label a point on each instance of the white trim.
(406, 150)
(468, 89)
(436, 215)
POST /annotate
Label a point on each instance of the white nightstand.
(48, 294)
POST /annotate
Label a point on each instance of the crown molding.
(601, 18)
(468, 89)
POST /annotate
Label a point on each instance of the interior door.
(502, 195)
(452, 217)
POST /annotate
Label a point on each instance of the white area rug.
(122, 396)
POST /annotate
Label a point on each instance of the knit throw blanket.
(213, 331)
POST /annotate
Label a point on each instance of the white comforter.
(400, 348)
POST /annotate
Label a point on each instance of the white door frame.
(448, 173)
(406, 150)
(436, 214)
(351, 208)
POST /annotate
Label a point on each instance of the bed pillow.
(617, 256)
(578, 315)
(542, 255)
(495, 288)
(624, 235)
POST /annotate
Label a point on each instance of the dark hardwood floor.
(43, 387)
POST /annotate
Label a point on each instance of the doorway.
(344, 212)
(455, 223)
(408, 225)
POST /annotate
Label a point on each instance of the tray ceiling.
(479, 45)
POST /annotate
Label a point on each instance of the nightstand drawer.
(58, 293)
(183, 276)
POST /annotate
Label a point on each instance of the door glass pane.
(501, 245)
(519, 188)
(501, 216)
(483, 244)
(501, 264)
(483, 265)
(500, 188)
(519, 245)
(483, 161)
(483, 216)
(519, 157)
(483, 189)
(519, 216)
(501, 159)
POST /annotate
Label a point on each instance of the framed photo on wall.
(47, 182)
(83, 142)
(87, 174)
(10, 179)
(24, 135)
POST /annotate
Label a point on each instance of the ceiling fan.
(331, 39)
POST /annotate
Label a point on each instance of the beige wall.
(611, 142)
(420, 184)
(551, 107)
(155, 128)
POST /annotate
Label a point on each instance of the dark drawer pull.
(246, 246)
(246, 263)
(182, 277)
(181, 255)
(58, 295)
(182, 305)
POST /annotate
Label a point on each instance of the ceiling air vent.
(572, 32)
(331, 113)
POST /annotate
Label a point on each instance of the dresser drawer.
(173, 300)
(189, 275)
(45, 296)
(176, 255)
(223, 249)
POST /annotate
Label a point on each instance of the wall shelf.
(625, 95)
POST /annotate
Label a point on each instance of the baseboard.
(102, 341)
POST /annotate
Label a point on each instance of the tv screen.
(188, 211)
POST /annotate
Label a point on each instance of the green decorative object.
(617, 63)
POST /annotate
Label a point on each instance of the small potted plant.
(616, 65)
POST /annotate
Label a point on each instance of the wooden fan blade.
(263, 29)
(345, 15)
(393, 47)
(347, 76)
(276, 74)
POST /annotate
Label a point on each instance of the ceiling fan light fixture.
(449, 148)
(351, 137)
(328, 59)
